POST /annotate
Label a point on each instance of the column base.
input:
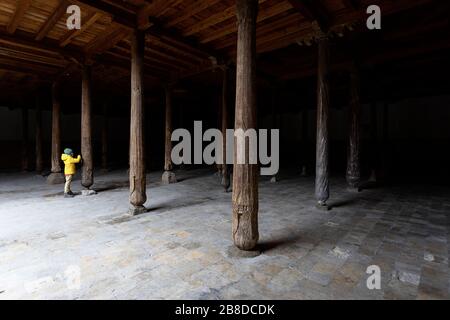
(323, 206)
(225, 182)
(135, 211)
(88, 192)
(354, 189)
(235, 252)
(373, 176)
(168, 177)
(304, 172)
(56, 178)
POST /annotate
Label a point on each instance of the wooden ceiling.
(184, 37)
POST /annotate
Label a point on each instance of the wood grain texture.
(87, 170)
(168, 131)
(353, 174)
(56, 131)
(38, 132)
(137, 153)
(225, 173)
(245, 176)
(323, 104)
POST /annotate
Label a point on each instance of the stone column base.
(373, 176)
(323, 206)
(168, 177)
(352, 189)
(235, 252)
(304, 172)
(56, 178)
(225, 182)
(135, 211)
(88, 192)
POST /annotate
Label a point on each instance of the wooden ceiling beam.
(21, 8)
(59, 12)
(26, 40)
(263, 15)
(126, 19)
(107, 40)
(14, 65)
(192, 10)
(313, 10)
(130, 22)
(67, 38)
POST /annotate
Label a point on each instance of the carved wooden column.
(105, 138)
(245, 176)
(168, 176)
(305, 144)
(38, 126)
(225, 174)
(353, 175)
(137, 153)
(275, 124)
(56, 176)
(323, 101)
(25, 155)
(87, 169)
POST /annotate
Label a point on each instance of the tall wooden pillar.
(87, 170)
(374, 155)
(105, 138)
(275, 123)
(38, 126)
(385, 144)
(323, 101)
(245, 176)
(137, 151)
(56, 176)
(353, 175)
(25, 155)
(168, 175)
(225, 174)
(305, 145)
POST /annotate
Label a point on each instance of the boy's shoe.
(68, 195)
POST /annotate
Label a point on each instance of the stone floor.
(88, 248)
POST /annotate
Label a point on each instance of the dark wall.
(413, 146)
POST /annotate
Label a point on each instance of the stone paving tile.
(179, 249)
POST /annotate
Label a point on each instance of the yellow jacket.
(69, 164)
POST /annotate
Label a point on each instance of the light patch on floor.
(89, 248)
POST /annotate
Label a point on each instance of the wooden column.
(225, 174)
(305, 144)
(385, 144)
(25, 155)
(374, 143)
(38, 125)
(168, 175)
(323, 101)
(245, 176)
(87, 169)
(137, 151)
(105, 138)
(353, 175)
(274, 116)
(56, 176)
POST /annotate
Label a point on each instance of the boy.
(69, 170)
